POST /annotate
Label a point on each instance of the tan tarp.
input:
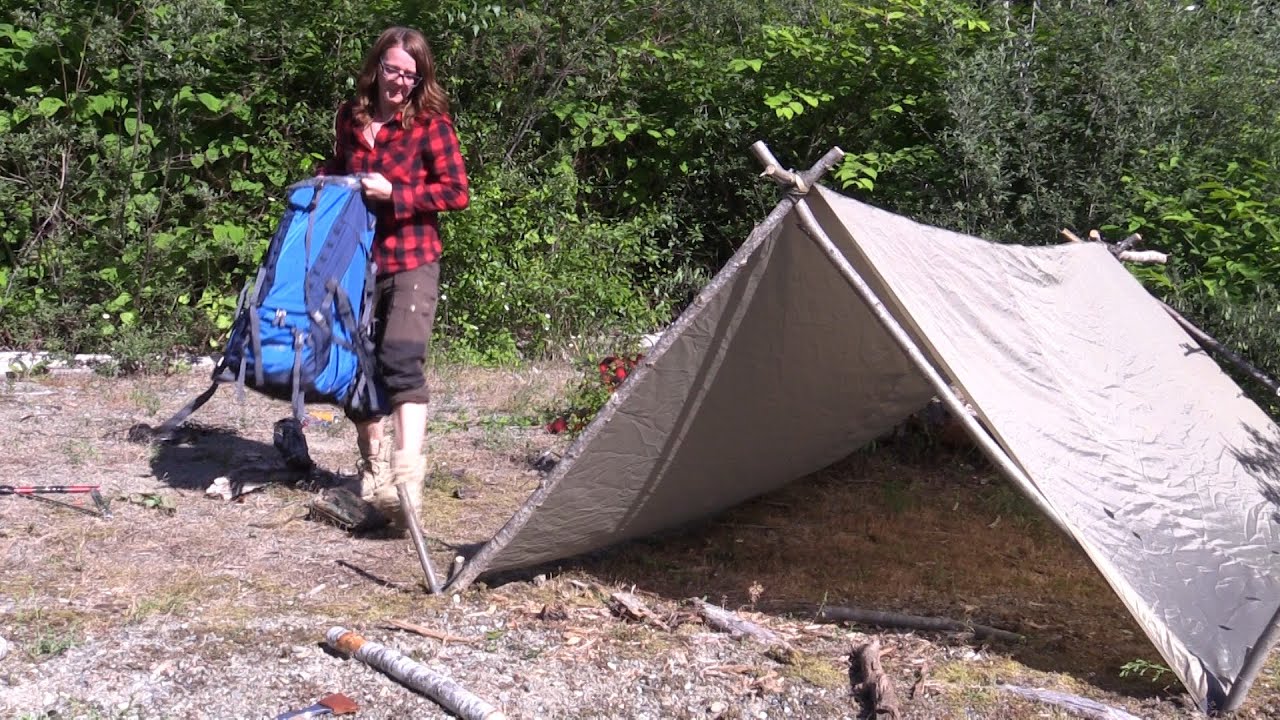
(1134, 439)
(773, 374)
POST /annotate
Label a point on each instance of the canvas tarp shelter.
(1105, 412)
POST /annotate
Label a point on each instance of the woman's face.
(397, 77)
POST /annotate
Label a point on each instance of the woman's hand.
(376, 187)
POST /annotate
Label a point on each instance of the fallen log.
(901, 621)
(869, 682)
(626, 604)
(1073, 704)
(727, 621)
(439, 688)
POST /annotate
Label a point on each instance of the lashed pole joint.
(799, 183)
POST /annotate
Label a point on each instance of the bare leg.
(410, 421)
(369, 435)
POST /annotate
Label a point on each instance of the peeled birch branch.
(1143, 257)
(452, 696)
(1073, 704)
(786, 177)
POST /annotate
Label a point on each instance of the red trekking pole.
(92, 491)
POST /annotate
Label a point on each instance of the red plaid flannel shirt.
(427, 175)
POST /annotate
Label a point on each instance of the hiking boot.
(409, 469)
(374, 466)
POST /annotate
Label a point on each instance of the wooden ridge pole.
(809, 224)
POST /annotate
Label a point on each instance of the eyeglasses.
(391, 73)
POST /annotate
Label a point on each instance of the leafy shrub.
(1222, 228)
(526, 268)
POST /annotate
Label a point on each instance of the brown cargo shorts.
(404, 315)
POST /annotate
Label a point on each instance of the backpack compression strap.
(165, 431)
(364, 357)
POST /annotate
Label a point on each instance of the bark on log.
(1074, 704)
(727, 621)
(624, 603)
(449, 694)
(1129, 243)
(870, 682)
(1143, 257)
(836, 614)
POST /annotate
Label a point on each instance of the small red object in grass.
(614, 369)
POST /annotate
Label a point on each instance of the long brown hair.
(426, 97)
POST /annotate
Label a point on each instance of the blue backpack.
(303, 329)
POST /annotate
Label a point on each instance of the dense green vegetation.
(144, 145)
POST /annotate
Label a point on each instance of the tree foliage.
(144, 146)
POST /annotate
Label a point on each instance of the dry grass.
(885, 532)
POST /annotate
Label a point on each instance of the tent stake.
(809, 224)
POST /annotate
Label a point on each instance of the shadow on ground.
(195, 457)
(934, 534)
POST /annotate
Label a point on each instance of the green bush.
(145, 144)
(143, 149)
(526, 269)
(1222, 228)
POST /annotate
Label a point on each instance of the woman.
(397, 131)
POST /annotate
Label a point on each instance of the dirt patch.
(186, 606)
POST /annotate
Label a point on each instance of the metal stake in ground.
(415, 532)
